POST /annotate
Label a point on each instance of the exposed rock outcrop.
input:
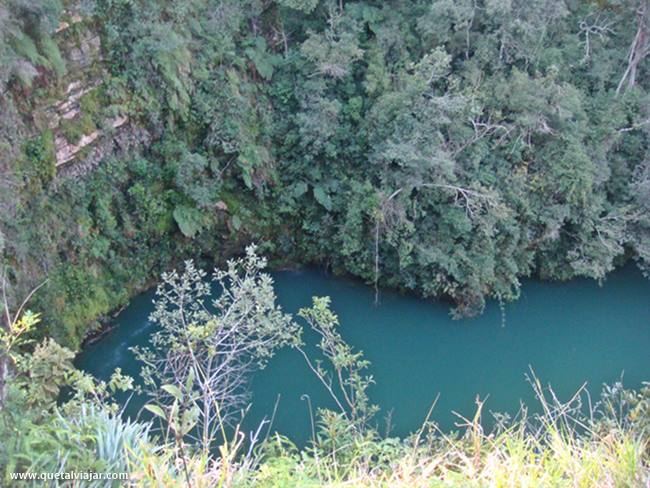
(66, 151)
(90, 143)
(127, 139)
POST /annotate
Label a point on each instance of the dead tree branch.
(638, 50)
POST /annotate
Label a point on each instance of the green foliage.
(39, 163)
(81, 298)
(263, 60)
(348, 368)
(305, 5)
(74, 129)
(322, 197)
(199, 366)
(93, 104)
(51, 52)
(189, 220)
(477, 132)
(45, 371)
(25, 40)
(83, 434)
(14, 335)
(335, 50)
(448, 148)
(90, 440)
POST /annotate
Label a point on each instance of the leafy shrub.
(38, 166)
(75, 128)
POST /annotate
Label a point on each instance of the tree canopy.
(449, 148)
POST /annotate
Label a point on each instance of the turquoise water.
(568, 333)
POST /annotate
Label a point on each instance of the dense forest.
(447, 148)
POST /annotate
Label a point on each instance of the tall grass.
(569, 444)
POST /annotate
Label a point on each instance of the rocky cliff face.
(72, 106)
(59, 121)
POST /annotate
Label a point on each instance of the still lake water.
(568, 333)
